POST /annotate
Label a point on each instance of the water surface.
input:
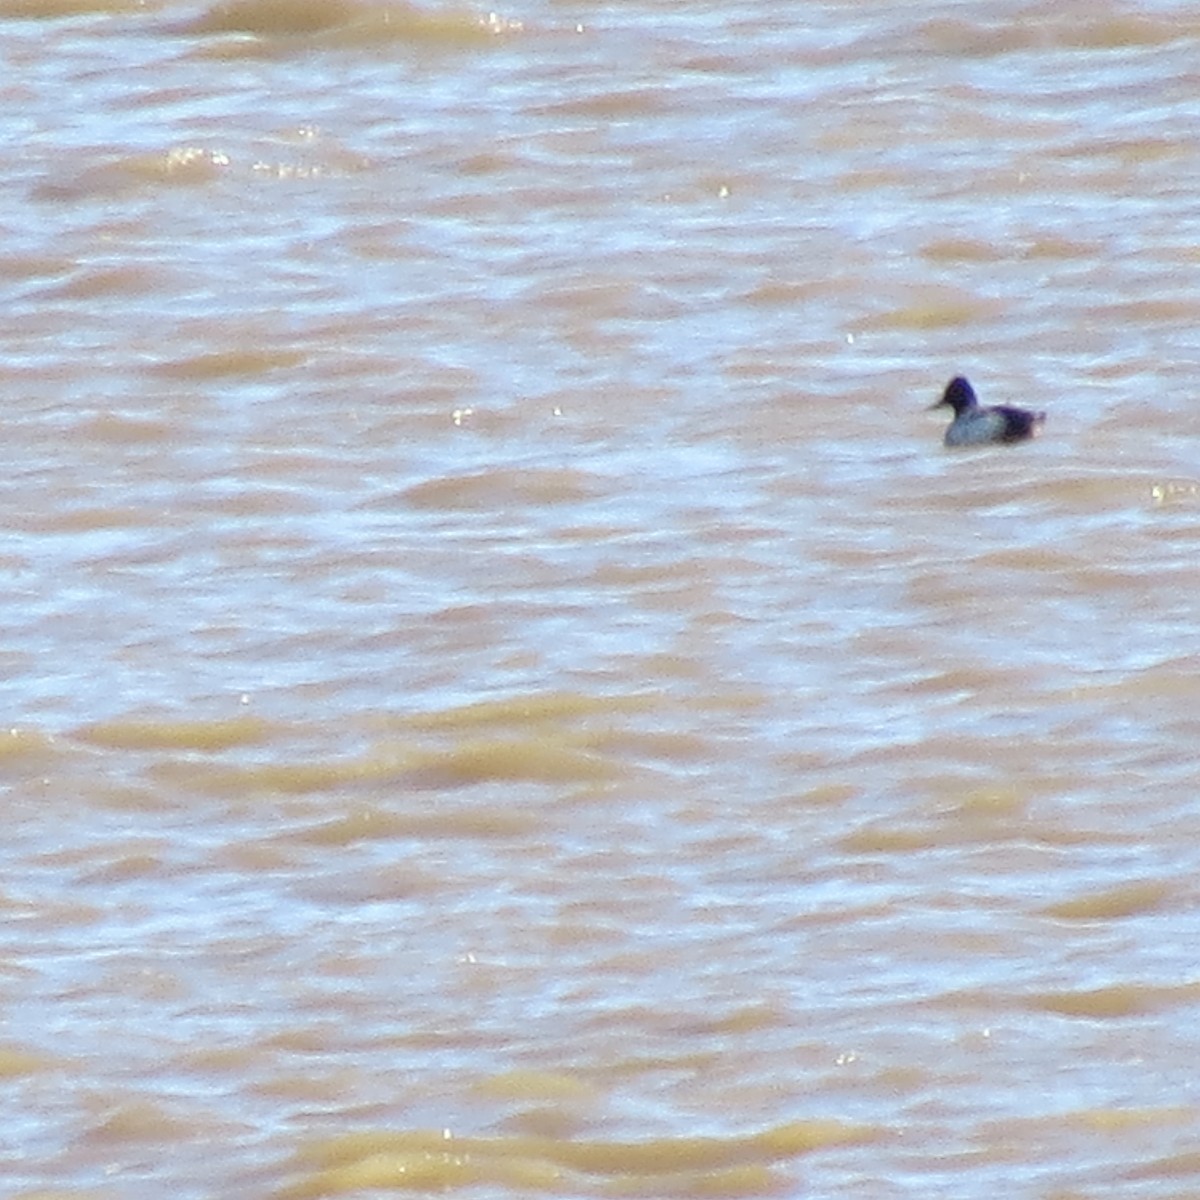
(505, 692)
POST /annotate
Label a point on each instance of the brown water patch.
(1136, 313)
(101, 282)
(933, 307)
(1031, 246)
(84, 519)
(1176, 680)
(16, 1060)
(1048, 560)
(1127, 152)
(1089, 492)
(534, 760)
(500, 488)
(962, 250)
(1118, 1120)
(974, 679)
(125, 431)
(285, 777)
(958, 813)
(619, 103)
(1171, 1166)
(210, 736)
(1054, 246)
(217, 364)
(1128, 900)
(26, 748)
(1042, 29)
(373, 824)
(438, 1161)
(141, 1121)
(536, 1086)
(1116, 1000)
(137, 864)
(786, 293)
(353, 22)
(531, 709)
(275, 16)
(181, 165)
(55, 9)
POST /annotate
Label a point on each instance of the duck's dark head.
(959, 395)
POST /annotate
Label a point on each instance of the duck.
(975, 425)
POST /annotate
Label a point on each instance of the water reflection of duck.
(974, 425)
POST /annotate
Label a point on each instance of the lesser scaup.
(974, 425)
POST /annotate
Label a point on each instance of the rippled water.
(505, 691)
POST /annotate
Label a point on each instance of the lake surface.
(505, 692)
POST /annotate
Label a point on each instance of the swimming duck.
(974, 425)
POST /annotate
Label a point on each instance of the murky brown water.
(505, 692)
